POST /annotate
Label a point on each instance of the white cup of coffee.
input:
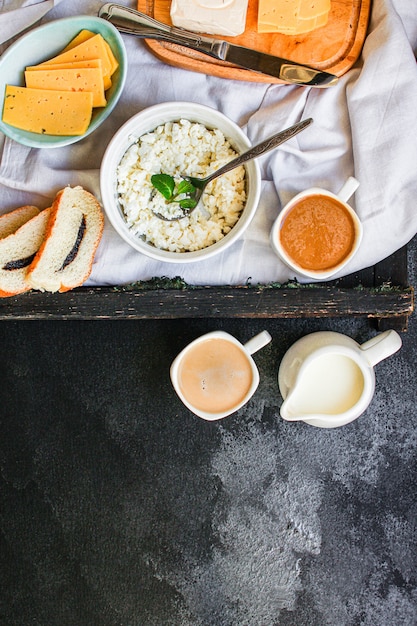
(317, 233)
(215, 375)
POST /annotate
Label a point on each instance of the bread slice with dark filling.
(10, 222)
(65, 258)
(17, 251)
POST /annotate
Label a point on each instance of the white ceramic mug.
(341, 198)
(215, 375)
(327, 379)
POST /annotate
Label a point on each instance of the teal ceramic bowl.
(45, 42)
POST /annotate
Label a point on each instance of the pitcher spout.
(290, 413)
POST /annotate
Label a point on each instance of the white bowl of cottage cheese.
(178, 138)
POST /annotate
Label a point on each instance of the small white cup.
(341, 198)
(215, 375)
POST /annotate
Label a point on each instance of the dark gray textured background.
(119, 507)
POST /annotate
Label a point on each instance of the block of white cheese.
(215, 17)
(292, 17)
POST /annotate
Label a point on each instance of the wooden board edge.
(284, 302)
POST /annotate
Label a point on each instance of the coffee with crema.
(215, 375)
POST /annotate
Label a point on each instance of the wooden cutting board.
(333, 48)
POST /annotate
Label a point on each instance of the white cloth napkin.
(14, 20)
(364, 126)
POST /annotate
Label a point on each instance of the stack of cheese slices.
(60, 94)
(50, 250)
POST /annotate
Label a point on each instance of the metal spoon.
(200, 184)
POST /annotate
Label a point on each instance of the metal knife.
(133, 22)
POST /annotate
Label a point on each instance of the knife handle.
(133, 22)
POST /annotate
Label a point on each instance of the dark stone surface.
(119, 507)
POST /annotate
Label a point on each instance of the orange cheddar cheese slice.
(46, 111)
(73, 65)
(92, 48)
(113, 61)
(87, 34)
(82, 79)
(82, 36)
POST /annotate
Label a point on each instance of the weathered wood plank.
(393, 270)
(234, 302)
(380, 293)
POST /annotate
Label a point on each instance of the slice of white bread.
(17, 252)
(10, 222)
(74, 230)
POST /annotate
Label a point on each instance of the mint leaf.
(184, 187)
(188, 203)
(164, 183)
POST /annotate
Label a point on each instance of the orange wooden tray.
(333, 48)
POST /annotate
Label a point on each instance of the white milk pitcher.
(327, 379)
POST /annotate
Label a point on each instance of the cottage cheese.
(175, 148)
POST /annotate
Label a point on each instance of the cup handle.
(381, 346)
(257, 342)
(348, 189)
